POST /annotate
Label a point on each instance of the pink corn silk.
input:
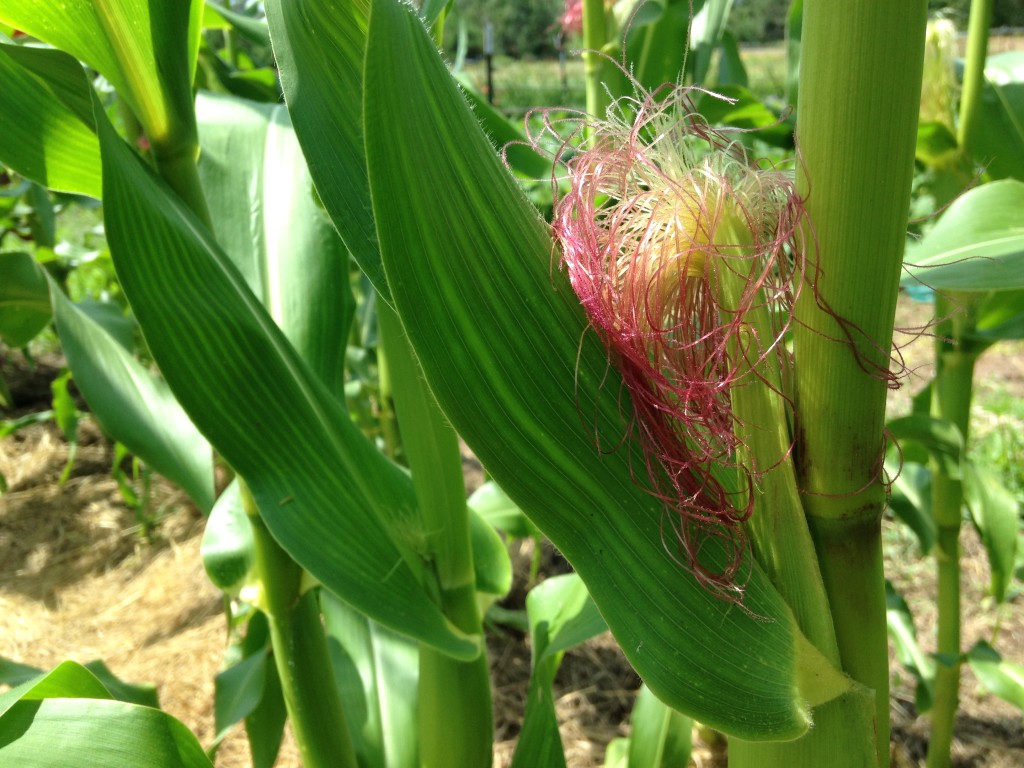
(637, 229)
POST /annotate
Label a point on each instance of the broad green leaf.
(900, 625)
(996, 514)
(998, 140)
(501, 339)
(227, 546)
(134, 406)
(659, 736)
(89, 733)
(145, 48)
(110, 316)
(24, 299)
(493, 505)
(319, 50)
(741, 109)
(45, 134)
(377, 677)
(506, 137)
(562, 616)
(1004, 678)
(265, 724)
(977, 245)
(261, 197)
(249, 28)
(616, 755)
(326, 494)
(656, 49)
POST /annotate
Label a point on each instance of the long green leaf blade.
(319, 51)
(322, 489)
(134, 406)
(499, 337)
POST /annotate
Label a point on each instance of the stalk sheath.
(860, 84)
(300, 652)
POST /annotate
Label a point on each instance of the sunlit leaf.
(997, 143)
(69, 707)
(376, 673)
(939, 437)
(977, 244)
(46, 121)
(659, 736)
(146, 49)
(268, 221)
(562, 615)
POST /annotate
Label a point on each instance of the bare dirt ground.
(77, 581)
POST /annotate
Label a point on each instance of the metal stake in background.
(489, 60)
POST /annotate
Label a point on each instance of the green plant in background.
(977, 304)
(359, 586)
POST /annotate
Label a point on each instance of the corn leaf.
(659, 736)
(1004, 678)
(146, 48)
(46, 120)
(998, 141)
(996, 513)
(67, 718)
(319, 51)
(977, 245)
(562, 615)
(24, 299)
(377, 677)
(261, 197)
(132, 404)
(323, 490)
(502, 342)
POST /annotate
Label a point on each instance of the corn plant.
(726, 528)
(977, 304)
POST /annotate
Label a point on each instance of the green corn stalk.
(951, 400)
(856, 129)
(456, 728)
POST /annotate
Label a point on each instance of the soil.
(79, 581)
